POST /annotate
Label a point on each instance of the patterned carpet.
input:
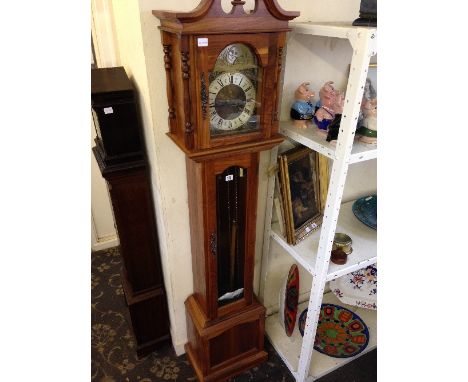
(113, 356)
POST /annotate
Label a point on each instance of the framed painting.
(303, 176)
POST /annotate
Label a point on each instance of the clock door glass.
(231, 187)
(233, 92)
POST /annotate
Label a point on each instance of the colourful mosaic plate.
(289, 299)
(358, 288)
(365, 209)
(341, 333)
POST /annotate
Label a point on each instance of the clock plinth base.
(221, 349)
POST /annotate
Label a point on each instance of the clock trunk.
(222, 205)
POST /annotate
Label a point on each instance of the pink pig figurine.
(302, 110)
(326, 113)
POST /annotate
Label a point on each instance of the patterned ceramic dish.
(365, 209)
(341, 333)
(289, 299)
(358, 288)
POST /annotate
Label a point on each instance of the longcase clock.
(222, 72)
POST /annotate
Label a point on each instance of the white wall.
(103, 232)
(141, 54)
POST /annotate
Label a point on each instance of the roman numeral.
(240, 81)
(246, 90)
(232, 79)
(220, 82)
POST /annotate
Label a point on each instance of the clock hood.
(209, 17)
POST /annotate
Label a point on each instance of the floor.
(113, 357)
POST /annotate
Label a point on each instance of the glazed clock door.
(233, 195)
(231, 70)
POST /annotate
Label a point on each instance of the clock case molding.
(223, 339)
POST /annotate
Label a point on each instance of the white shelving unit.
(313, 253)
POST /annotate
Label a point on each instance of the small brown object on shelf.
(338, 256)
(343, 242)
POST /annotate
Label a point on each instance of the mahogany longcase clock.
(223, 71)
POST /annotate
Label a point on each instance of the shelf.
(312, 138)
(364, 245)
(330, 29)
(289, 348)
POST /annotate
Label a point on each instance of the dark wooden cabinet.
(222, 72)
(115, 116)
(130, 192)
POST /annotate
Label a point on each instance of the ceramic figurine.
(325, 113)
(368, 127)
(334, 126)
(302, 110)
(369, 90)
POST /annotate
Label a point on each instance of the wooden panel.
(133, 211)
(142, 279)
(197, 231)
(150, 322)
(225, 347)
(233, 342)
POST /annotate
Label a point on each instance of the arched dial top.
(233, 91)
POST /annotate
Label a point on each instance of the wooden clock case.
(223, 339)
(121, 158)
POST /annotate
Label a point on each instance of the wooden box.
(115, 115)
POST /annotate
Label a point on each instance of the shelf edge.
(355, 267)
(289, 249)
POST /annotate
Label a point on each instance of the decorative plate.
(358, 288)
(365, 209)
(302, 322)
(341, 333)
(289, 298)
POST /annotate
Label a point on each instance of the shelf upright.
(268, 216)
(363, 41)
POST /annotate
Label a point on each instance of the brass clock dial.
(233, 92)
(231, 101)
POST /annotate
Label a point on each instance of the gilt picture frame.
(303, 176)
